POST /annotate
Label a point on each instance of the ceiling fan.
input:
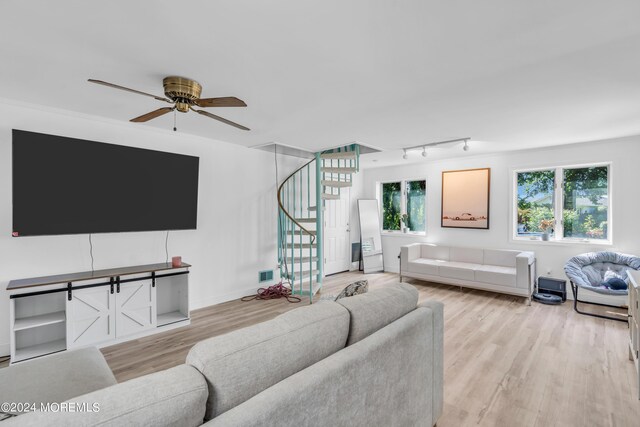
(184, 94)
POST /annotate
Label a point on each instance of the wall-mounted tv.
(72, 186)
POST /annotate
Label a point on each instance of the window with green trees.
(404, 205)
(391, 205)
(535, 201)
(416, 192)
(579, 211)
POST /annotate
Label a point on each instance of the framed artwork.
(465, 198)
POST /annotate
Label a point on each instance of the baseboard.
(219, 299)
(5, 349)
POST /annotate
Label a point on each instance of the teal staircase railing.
(301, 200)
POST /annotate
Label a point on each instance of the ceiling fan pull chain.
(174, 121)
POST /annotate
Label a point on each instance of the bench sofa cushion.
(241, 364)
(175, 397)
(496, 275)
(467, 255)
(375, 310)
(67, 374)
(434, 252)
(458, 270)
(425, 266)
(503, 258)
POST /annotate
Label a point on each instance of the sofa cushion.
(468, 255)
(241, 364)
(458, 270)
(496, 275)
(67, 375)
(435, 252)
(391, 378)
(375, 310)
(499, 257)
(425, 266)
(175, 397)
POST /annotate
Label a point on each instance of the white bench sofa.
(504, 271)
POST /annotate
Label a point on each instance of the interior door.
(90, 316)
(135, 307)
(337, 243)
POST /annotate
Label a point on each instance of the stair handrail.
(281, 206)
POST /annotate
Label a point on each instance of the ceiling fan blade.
(152, 115)
(100, 82)
(227, 101)
(221, 119)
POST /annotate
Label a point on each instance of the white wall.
(624, 154)
(236, 235)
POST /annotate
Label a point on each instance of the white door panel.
(135, 307)
(90, 316)
(337, 243)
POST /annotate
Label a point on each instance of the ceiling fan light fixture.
(183, 94)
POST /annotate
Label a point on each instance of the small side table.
(634, 322)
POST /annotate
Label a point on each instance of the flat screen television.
(72, 186)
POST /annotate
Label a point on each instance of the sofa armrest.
(409, 253)
(168, 398)
(437, 308)
(525, 270)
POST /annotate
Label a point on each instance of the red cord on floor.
(273, 292)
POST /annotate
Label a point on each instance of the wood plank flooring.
(506, 364)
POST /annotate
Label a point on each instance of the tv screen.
(71, 186)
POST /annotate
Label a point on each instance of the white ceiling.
(512, 74)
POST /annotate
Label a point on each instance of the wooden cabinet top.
(89, 275)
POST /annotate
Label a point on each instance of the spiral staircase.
(301, 201)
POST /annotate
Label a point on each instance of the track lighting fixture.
(435, 144)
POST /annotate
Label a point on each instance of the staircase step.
(333, 183)
(338, 170)
(306, 220)
(304, 233)
(339, 155)
(305, 259)
(305, 275)
(303, 245)
(304, 290)
(326, 196)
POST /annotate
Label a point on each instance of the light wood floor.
(506, 364)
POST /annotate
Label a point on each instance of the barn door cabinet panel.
(104, 307)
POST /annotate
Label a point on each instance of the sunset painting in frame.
(465, 198)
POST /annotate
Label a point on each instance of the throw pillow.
(613, 280)
(616, 284)
(355, 288)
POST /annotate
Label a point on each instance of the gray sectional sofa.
(370, 360)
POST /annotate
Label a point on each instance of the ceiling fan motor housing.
(181, 90)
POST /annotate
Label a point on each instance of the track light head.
(404, 156)
(466, 146)
(424, 151)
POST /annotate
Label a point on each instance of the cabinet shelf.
(39, 320)
(172, 317)
(40, 350)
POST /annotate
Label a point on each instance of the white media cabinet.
(103, 307)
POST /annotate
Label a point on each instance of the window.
(391, 205)
(404, 198)
(579, 210)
